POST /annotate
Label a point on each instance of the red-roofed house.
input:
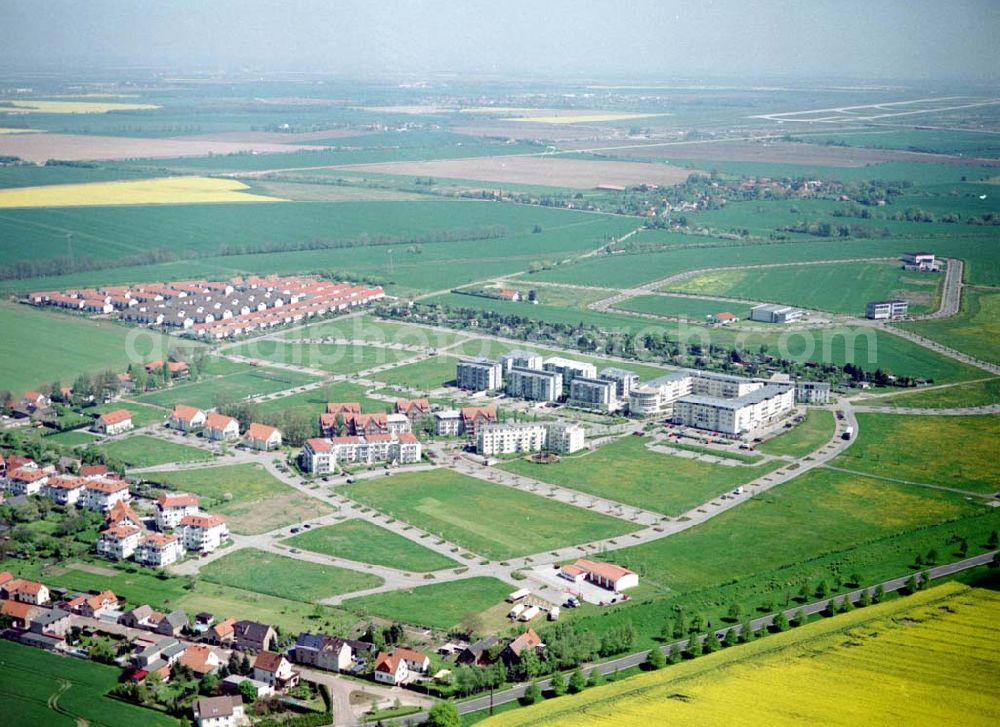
(365, 424)
(158, 550)
(200, 659)
(607, 575)
(65, 490)
(274, 670)
(118, 542)
(19, 613)
(90, 471)
(390, 669)
(474, 417)
(121, 513)
(317, 456)
(171, 507)
(26, 481)
(113, 422)
(221, 633)
(512, 652)
(511, 295)
(102, 495)
(415, 661)
(31, 592)
(187, 418)
(202, 533)
(262, 437)
(343, 407)
(95, 606)
(33, 400)
(221, 428)
(414, 409)
(723, 318)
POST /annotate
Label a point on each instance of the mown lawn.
(440, 605)
(247, 495)
(144, 451)
(973, 331)
(277, 575)
(491, 520)
(313, 402)
(39, 688)
(362, 541)
(954, 451)
(142, 415)
(431, 373)
(333, 357)
(977, 393)
(72, 438)
(367, 328)
(249, 381)
(672, 305)
(628, 472)
(810, 435)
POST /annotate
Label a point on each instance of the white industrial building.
(527, 383)
(922, 261)
(886, 310)
(771, 313)
(479, 374)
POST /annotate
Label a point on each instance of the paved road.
(632, 660)
(951, 292)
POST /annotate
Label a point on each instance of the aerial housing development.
(433, 365)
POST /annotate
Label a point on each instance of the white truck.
(848, 433)
(518, 595)
(517, 610)
(529, 613)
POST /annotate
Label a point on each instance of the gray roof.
(758, 395)
(251, 630)
(214, 707)
(176, 618)
(773, 307)
(47, 618)
(613, 371)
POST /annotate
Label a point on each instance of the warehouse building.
(922, 261)
(771, 313)
(886, 310)
(533, 384)
(478, 374)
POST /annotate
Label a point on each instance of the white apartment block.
(565, 437)
(65, 490)
(158, 550)
(526, 383)
(521, 359)
(570, 369)
(321, 456)
(118, 542)
(736, 415)
(397, 423)
(494, 439)
(812, 392)
(317, 456)
(102, 495)
(448, 423)
(478, 374)
(172, 507)
(202, 533)
(624, 380)
(657, 396)
(593, 393)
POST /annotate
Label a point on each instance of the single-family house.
(52, 622)
(253, 636)
(171, 508)
(113, 422)
(201, 659)
(275, 670)
(262, 437)
(221, 428)
(101, 495)
(19, 613)
(18, 589)
(390, 669)
(478, 653)
(512, 652)
(322, 652)
(97, 606)
(224, 711)
(221, 633)
(121, 513)
(187, 418)
(137, 617)
(415, 661)
(172, 624)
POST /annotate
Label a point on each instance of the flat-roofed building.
(492, 439)
(657, 396)
(534, 384)
(775, 313)
(521, 359)
(886, 310)
(570, 369)
(812, 392)
(565, 437)
(478, 374)
(593, 393)
(624, 380)
(735, 415)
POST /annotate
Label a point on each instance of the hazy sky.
(642, 39)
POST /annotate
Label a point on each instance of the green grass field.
(820, 512)
(332, 357)
(431, 373)
(692, 308)
(249, 381)
(626, 471)
(40, 688)
(839, 287)
(72, 438)
(142, 415)
(73, 346)
(364, 542)
(375, 330)
(810, 435)
(974, 393)
(278, 575)
(313, 402)
(247, 495)
(143, 451)
(954, 451)
(973, 331)
(491, 520)
(439, 605)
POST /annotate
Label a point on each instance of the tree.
(822, 590)
(654, 660)
(694, 646)
(879, 594)
(911, 584)
(595, 678)
(245, 667)
(923, 580)
(799, 618)
(443, 714)
(780, 622)
(932, 556)
(209, 684)
(732, 638)
(532, 695)
(865, 599)
(248, 691)
(697, 624)
(993, 540)
(667, 631)
(711, 642)
(557, 683)
(847, 604)
(746, 632)
(577, 681)
(735, 612)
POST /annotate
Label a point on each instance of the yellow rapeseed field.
(165, 190)
(929, 659)
(74, 107)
